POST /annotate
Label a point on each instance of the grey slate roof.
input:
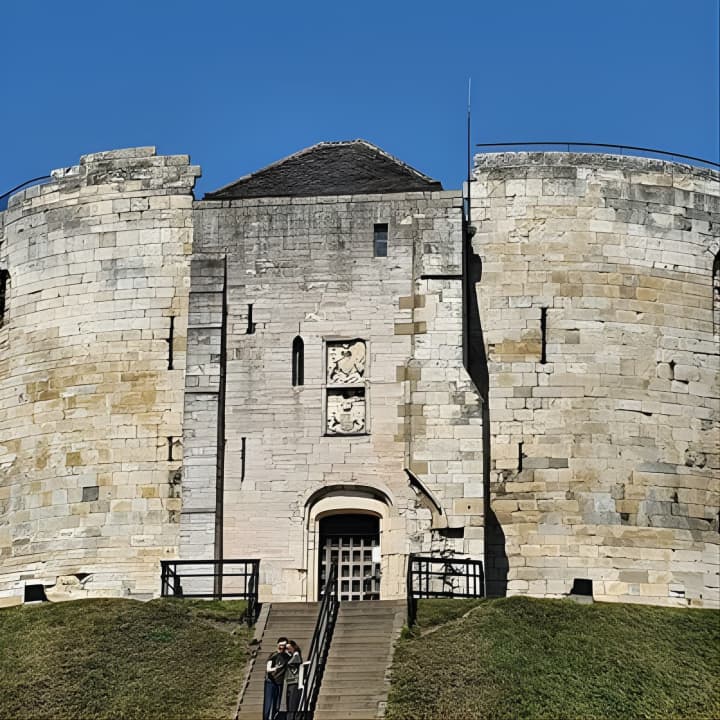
(352, 167)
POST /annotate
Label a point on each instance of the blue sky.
(238, 85)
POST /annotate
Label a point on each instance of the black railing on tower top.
(576, 146)
(23, 185)
(438, 577)
(197, 579)
(319, 647)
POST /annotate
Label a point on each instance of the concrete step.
(353, 613)
(294, 605)
(379, 638)
(372, 638)
(349, 711)
(372, 627)
(352, 702)
(355, 641)
(336, 663)
(351, 692)
(367, 669)
(342, 714)
(339, 683)
(368, 621)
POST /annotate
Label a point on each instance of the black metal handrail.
(189, 579)
(442, 577)
(567, 145)
(19, 187)
(319, 647)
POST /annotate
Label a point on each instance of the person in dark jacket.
(274, 676)
(293, 676)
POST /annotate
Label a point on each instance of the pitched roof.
(329, 168)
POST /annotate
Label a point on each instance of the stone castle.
(335, 360)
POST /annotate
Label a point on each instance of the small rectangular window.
(380, 239)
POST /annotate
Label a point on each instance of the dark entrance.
(348, 541)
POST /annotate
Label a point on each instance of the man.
(274, 674)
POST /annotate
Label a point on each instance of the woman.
(291, 686)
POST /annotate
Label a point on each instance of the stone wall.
(90, 413)
(306, 266)
(604, 433)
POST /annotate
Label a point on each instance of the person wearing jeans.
(274, 675)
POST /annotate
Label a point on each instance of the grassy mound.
(122, 659)
(525, 658)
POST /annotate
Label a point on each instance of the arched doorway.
(352, 542)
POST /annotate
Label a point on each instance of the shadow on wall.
(496, 561)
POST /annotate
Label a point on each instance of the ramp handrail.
(319, 647)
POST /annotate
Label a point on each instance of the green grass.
(523, 658)
(438, 612)
(122, 659)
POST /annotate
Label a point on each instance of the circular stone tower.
(92, 355)
(600, 320)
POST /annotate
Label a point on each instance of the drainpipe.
(220, 448)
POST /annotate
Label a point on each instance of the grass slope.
(122, 659)
(524, 658)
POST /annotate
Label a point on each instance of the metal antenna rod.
(469, 161)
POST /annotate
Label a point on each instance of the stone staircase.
(295, 621)
(355, 684)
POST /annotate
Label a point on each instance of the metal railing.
(217, 579)
(6, 195)
(577, 146)
(436, 577)
(319, 647)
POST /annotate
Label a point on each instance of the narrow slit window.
(243, 451)
(251, 324)
(170, 342)
(521, 455)
(4, 281)
(543, 335)
(380, 239)
(298, 362)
